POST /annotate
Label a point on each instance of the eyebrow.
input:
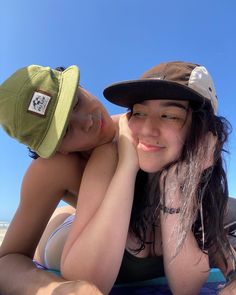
(167, 103)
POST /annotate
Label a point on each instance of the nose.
(82, 121)
(88, 123)
(151, 127)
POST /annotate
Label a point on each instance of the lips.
(146, 147)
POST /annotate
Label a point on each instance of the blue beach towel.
(159, 286)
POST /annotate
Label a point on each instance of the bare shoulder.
(58, 161)
(106, 150)
(104, 159)
(57, 174)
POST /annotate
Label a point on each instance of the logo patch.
(39, 103)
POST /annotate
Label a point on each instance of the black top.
(135, 269)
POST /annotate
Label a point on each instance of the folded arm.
(186, 268)
(43, 186)
(96, 243)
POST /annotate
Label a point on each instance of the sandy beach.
(3, 228)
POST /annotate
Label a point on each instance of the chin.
(150, 168)
(150, 164)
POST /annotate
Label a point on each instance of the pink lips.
(149, 148)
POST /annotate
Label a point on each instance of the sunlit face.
(160, 128)
(89, 126)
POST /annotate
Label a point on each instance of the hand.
(177, 176)
(171, 181)
(127, 143)
(76, 288)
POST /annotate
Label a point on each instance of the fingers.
(127, 143)
(124, 119)
(124, 127)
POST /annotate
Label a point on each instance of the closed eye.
(76, 106)
(67, 131)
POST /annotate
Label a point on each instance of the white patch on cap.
(201, 81)
(39, 103)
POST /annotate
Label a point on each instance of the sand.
(3, 229)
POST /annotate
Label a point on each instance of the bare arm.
(42, 187)
(96, 243)
(190, 264)
(36, 281)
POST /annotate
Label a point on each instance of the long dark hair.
(204, 194)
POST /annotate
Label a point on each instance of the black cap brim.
(127, 93)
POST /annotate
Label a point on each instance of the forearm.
(190, 263)
(102, 242)
(38, 202)
(19, 275)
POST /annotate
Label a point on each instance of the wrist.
(169, 210)
(128, 171)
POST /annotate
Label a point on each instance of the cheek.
(177, 145)
(73, 142)
(134, 126)
(81, 142)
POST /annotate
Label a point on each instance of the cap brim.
(127, 93)
(66, 99)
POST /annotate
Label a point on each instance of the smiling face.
(160, 128)
(89, 126)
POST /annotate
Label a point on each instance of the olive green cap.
(35, 105)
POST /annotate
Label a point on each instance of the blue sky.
(111, 41)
